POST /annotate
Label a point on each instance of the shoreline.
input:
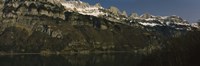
(63, 53)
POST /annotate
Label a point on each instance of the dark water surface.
(119, 59)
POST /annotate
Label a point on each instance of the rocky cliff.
(50, 26)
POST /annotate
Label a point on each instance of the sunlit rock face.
(133, 15)
(75, 26)
(124, 14)
(40, 25)
(146, 16)
(14, 8)
(196, 25)
(72, 26)
(16, 13)
(114, 10)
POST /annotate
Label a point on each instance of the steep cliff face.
(79, 33)
(34, 26)
(48, 26)
(15, 8)
(37, 26)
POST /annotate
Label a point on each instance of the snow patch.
(196, 25)
(149, 24)
(150, 19)
(82, 8)
(186, 24)
(164, 17)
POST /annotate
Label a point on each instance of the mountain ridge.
(45, 27)
(114, 14)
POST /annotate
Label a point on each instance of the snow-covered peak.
(146, 16)
(83, 8)
(196, 25)
(168, 21)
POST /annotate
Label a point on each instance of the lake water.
(118, 59)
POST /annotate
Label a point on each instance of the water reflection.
(84, 60)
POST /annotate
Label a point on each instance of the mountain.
(197, 25)
(114, 14)
(124, 13)
(65, 26)
(133, 15)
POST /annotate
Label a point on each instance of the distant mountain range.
(65, 26)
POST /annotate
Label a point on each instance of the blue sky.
(187, 9)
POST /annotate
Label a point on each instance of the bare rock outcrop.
(124, 14)
(133, 15)
(146, 16)
(51, 8)
(114, 10)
